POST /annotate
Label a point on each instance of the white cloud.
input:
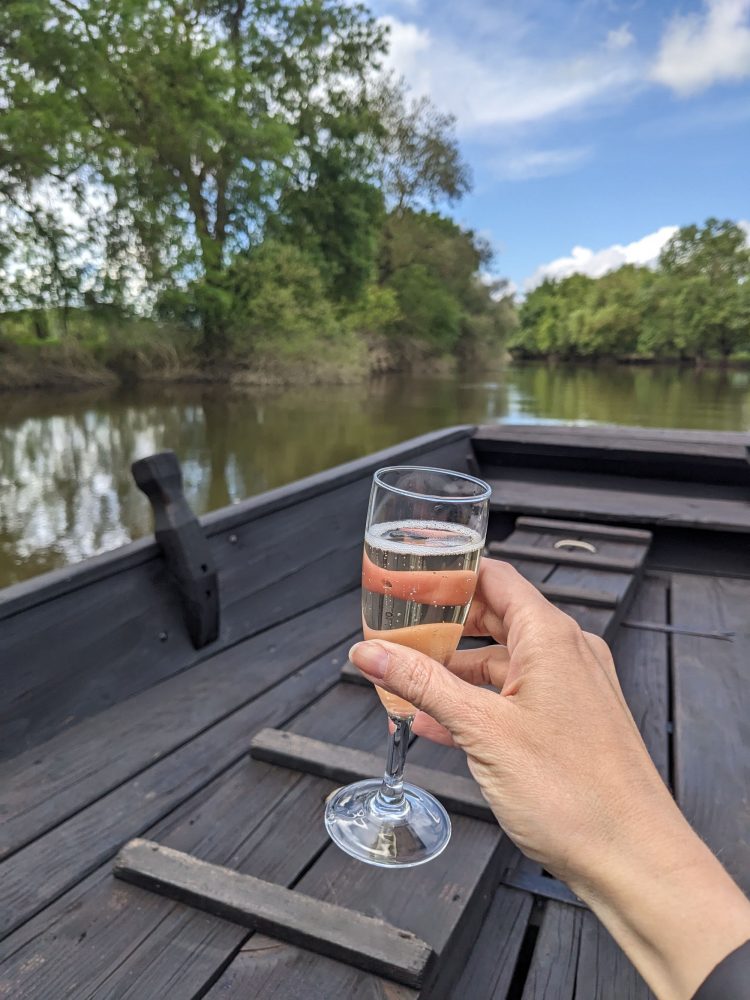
(620, 38)
(698, 50)
(539, 163)
(595, 263)
(508, 88)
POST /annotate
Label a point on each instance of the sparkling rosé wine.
(418, 579)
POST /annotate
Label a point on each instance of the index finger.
(501, 597)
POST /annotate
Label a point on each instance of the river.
(65, 487)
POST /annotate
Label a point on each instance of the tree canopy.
(694, 305)
(149, 151)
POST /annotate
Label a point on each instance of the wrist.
(668, 902)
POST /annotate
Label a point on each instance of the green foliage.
(431, 266)
(193, 117)
(238, 169)
(420, 162)
(278, 302)
(694, 306)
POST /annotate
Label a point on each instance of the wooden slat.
(335, 931)
(488, 969)
(268, 968)
(37, 874)
(552, 974)
(604, 531)
(45, 786)
(613, 435)
(329, 760)
(579, 595)
(458, 885)
(74, 646)
(624, 450)
(604, 970)
(619, 498)
(589, 560)
(711, 686)
(258, 819)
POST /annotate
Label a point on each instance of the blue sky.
(592, 126)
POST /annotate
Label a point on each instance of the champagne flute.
(424, 537)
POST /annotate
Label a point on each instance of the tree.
(195, 114)
(717, 251)
(420, 162)
(432, 266)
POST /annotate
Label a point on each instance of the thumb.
(427, 684)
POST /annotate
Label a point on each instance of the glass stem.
(391, 794)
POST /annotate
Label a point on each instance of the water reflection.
(65, 486)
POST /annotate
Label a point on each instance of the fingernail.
(370, 657)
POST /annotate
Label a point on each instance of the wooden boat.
(189, 692)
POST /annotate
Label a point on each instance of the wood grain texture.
(601, 532)
(552, 974)
(289, 915)
(489, 967)
(43, 787)
(34, 876)
(257, 819)
(604, 971)
(618, 498)
(620, 450)
(263, 963)
(711, 685)
(515, 550)
(71, 651)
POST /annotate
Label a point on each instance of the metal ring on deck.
(575, 543)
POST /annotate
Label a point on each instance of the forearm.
(670, 905)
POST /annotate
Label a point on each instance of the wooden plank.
(614, 498)
(258, 819)
(625, 452)
(590, 560)
(642, 661)
(329, 760)
(48, 784)
(571, 594)
(488, 969)
(612, 434)
(604, 531)
(268, 968)
(604, 970)
(552, 974)
(458, 885)
(711, 690)
(289, 915)
(36, 875)
(76, 651)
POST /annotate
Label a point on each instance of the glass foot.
(370, 829)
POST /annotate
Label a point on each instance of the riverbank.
(111, 351)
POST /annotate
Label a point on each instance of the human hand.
(560, 760)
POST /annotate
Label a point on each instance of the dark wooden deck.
(114, 727)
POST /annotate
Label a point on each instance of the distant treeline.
(243, 175)
(694, 306)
